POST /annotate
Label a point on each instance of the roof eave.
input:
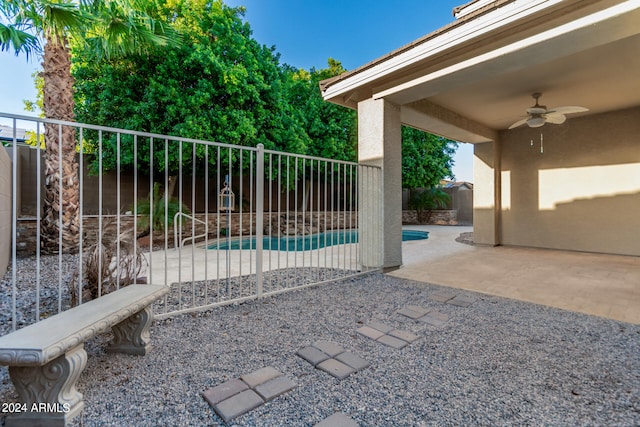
(334, 87)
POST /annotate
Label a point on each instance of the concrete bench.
(45, 359)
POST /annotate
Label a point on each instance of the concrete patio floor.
(597, 284)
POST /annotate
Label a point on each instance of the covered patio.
(570, 186)
(602, 285)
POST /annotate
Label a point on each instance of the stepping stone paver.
(343, 364)
(413, 311)
(238, 405)
(312, 355)
(275, 387)
(434, 318)
(352, 360)
(223, 391)
(385, 329)
(369, 332)
(461, 301)
(388, 335)
(404, 335)
(339, 419)
(241, 395)
(394, 342)
(336, 368)
(260, 376)
(330, 348)
(442, 296)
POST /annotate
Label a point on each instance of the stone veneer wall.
(313, 223)
(5, 210)
(438, 217)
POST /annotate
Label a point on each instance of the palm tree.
(427, 200)
(109, 28)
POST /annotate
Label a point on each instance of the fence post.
(14, 225)
(259, 216)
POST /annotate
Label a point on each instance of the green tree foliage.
(428, 200)
(426, 158)
(330, 128)
(220, 84)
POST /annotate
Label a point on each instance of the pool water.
(305, 243)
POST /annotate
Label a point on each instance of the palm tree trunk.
(61, 220)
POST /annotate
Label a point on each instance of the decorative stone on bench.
(46, 359)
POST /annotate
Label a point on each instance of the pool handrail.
(192, 238)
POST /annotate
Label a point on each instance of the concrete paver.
(381, 326)
(369, 332)
(343, 364)
(392, 337)
(418, 310)
(238, 405)
(461, 301)
(223, 391)
(312, 355)
(241, 395)
(434, 318)
(330, 348)
(274, 388)
(338, 419)
(260, 376)
(336, 368)
(411, 313)
(394, 342)
(442, 296)
(353, 360)
(404, 335)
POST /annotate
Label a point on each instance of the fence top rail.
(172, 138)
(323, 159)
(122, 131)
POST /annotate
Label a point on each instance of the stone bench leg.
(49, 391)
(131, 336)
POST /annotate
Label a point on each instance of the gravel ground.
(55, 275)
(497, 362)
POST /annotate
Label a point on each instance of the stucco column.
(486, 193)
(380, 144)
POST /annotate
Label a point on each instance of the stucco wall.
(5, 210)
(485, 203)
(582, 193)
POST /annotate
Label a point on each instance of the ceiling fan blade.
(518, 123)
(567, 110)
(555, 118)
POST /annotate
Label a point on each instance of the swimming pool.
(305, 243)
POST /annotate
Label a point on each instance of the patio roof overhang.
(475, 77)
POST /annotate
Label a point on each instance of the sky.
(305, 33)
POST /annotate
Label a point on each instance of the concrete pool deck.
(193, 262)
(597, 284)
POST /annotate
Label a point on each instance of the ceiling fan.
(538, 115)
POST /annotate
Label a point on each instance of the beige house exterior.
(571, 186)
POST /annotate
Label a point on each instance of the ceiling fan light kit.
(535, 122)
(538, 115)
